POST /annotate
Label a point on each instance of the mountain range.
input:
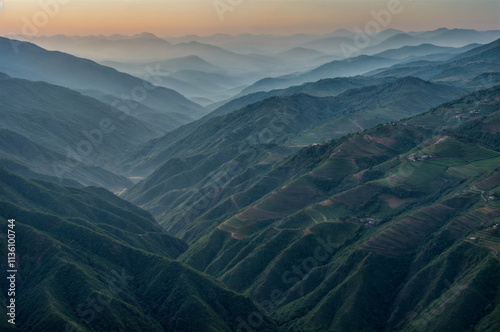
(60, 132)
(396, 210)
(28, 61)
(458, 70)
(247, 58)
(102, 262)
(312, 191)
(300, 114)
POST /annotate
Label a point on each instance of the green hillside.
(307, 202)
(229, 155)
(56, 117)
(97, 262)
(404, 213)
(62, 133)
(329, 87)
(22, 156)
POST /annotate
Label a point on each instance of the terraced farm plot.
(333, 211)
(240, 229)
(255, 213)
(465, 171)
(410, 231)
(452, 148)
(420, 173)
(289, 199)
(490, 182)
(300, 220)
(487, 239)
(339, 127)
(334, 168)
(488, 163)
(449, 162)
(277, 205)
(315, 215)
(356, 196)
(395, 202)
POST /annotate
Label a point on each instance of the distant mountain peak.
(148, 35)
(342, 32)
(193, 42)
(411, 80)
(4, 76)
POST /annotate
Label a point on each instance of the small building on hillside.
(474, 239)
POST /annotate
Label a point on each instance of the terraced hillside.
(220, 162)
(395, 225)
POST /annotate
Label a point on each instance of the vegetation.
(402, 251)
(348, 204)
(80, 245)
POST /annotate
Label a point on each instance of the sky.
(206, 17)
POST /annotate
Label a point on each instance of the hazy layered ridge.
(452, 68)
(231, 63)
(80, 244)
(338, 68)
(463, 69)
(22, 156)
(62, 133)
(25, 60)
(323, 88)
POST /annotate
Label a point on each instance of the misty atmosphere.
(236, 166)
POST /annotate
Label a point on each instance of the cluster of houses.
(416, 157)
(369, 221)
(474, 239)
(493, 230)
(458, 116)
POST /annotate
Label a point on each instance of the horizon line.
(240, 34)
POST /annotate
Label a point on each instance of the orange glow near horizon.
(181, 17)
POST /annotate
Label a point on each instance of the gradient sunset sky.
(181, 17)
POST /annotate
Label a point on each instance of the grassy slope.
(22, 156)
(79, 245)
(53, 130)
(414, 269)
(220, 163)
(56, 118)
